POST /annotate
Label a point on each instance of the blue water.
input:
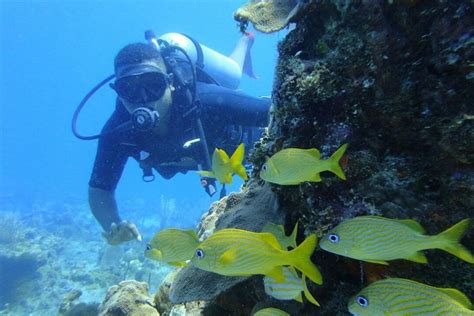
(52, 53)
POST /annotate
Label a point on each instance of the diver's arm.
(109, 164)
(103, 207)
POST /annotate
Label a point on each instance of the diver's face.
(144, 85)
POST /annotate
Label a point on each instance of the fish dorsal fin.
(192, 233)
(314, 152)
(293, 236)
(272, 240)
(277, 274)
(418, 257)
(407, 222)
(458, 296)
(228, 256)
(377, 262)
(223, 155)
(412, 224)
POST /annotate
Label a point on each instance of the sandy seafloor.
(62, 250)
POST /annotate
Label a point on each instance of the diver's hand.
(122, 232)
(209, 185)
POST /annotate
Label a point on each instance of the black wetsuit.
(224, 113)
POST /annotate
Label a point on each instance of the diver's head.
(141, 79)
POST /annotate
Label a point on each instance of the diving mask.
(141, 84)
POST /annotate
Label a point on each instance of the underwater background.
(392, 79)
(52, 53)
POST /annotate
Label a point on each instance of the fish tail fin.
(236, 162)
(301, 259)
(450, 241)
(307, 293)
(293, 236)
(333, 161)
(209, 174)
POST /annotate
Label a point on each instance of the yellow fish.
(236, 252)
(271, 312)
(279, 232)
(293, 166)
(290, 289)
(224, 167)
(377, 239)
(405, 297)
(173, 246)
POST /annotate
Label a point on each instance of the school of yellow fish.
(375, 239)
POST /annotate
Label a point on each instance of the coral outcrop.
(128, 298)
(250, 209)
(393, 79)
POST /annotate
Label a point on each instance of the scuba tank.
(224, 70)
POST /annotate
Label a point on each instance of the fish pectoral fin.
(299, 298)
(418, 257)
(277, 274)
(177, 264)
(307, 293)
(458, 296)
(228, 178)
(377, 262)
(316, 178)
(228, 256)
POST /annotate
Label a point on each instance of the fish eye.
(362, 301)
(148, 247)
(334, 238)
(200, 253)
(264, 167)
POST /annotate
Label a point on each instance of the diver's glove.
(122, 232)
(209, 185)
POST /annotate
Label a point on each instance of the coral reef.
(128, 298)
(394, 80)
(47, 251)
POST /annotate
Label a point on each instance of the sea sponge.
(268, 15)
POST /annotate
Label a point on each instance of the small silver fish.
(290, 289)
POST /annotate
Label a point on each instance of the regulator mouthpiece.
(145, 119)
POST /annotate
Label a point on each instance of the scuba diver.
(176, 102)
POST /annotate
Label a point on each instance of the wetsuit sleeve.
(111, 155)
(233, 107)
